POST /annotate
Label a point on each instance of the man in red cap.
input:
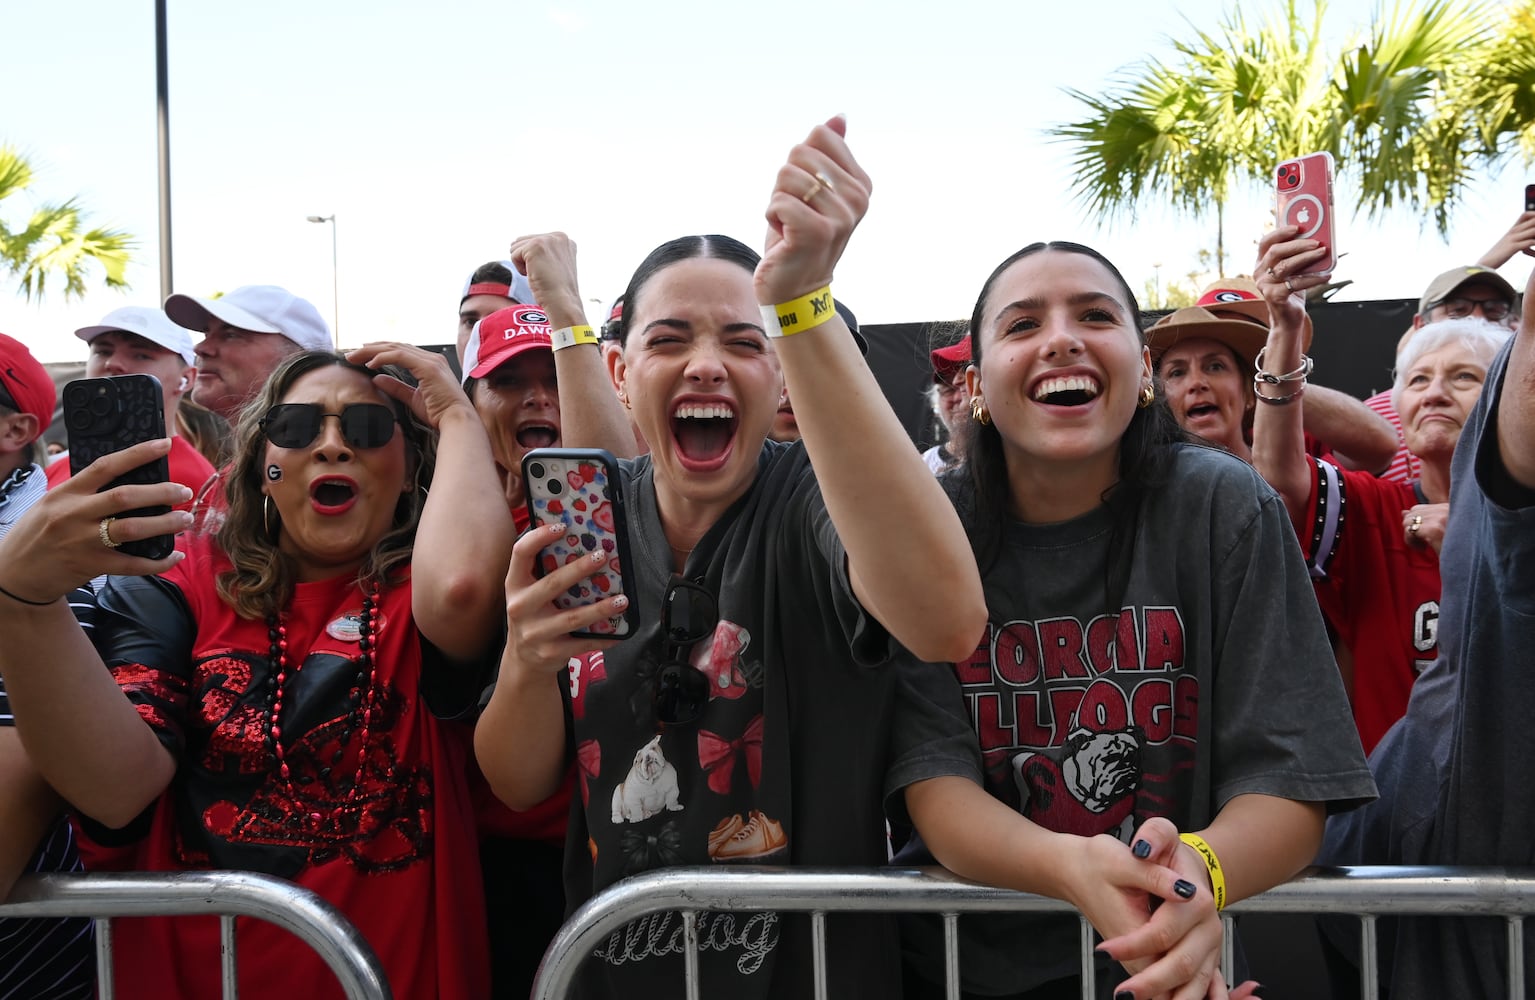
(36, 837)
(27, 398)
(951, 402)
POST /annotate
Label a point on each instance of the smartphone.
(104, 415)
(582, 489)
(1529, 197)
(1304, 200)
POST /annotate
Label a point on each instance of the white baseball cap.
(259, 309)
(151, 324)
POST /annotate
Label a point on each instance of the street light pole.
(163, 126)
(335, 286)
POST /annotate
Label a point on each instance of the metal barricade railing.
(1366, 893)
(224, 894)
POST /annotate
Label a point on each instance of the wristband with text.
(804, 313)
(1213, 863)
(570, 336)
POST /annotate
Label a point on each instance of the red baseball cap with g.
(502, 336)
(25, 384)
(949, 362)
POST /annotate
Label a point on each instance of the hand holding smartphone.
(581, 489)
(1529, 197)
(105, 415)
(1303, 190)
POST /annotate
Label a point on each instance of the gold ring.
(815, 189)
(1288, 286)
(1417, 522)
(825, 182)
(104, 529)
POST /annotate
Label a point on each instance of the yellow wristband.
(804, 313)
(570, 336)
(1217, 873)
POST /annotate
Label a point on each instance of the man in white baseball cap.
(137, 340)
(246, 334)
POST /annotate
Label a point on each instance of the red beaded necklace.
(359, 715)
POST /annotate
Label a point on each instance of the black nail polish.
(1142, 848)
(1184, 889)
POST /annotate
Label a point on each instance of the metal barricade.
(1366, 892)
(225, 894)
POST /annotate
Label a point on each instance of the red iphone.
(1304, 190)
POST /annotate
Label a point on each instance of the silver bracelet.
(1298, 375)
(1282, 400)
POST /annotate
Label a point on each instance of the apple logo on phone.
(1298, 213)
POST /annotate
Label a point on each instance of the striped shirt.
(1405, 466)
(46, 959)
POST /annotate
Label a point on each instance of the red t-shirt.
(1378, 592)
(399, 860)
(187, 466)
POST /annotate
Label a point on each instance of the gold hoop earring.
(978, 411)
(623, 397)
(1148, 395)
(266, 516)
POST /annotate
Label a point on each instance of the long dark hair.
(673, 251)
(1145, 455)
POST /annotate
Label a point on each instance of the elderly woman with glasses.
(259, 700)
(746, 719)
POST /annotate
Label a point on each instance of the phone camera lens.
(79, 420)
(556, 487)
(101, 406)
(535, 470)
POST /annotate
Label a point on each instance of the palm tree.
(54, 242)
(1398, 108)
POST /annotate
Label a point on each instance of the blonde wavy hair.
(260, 582)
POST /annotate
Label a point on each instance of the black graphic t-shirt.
(784, 766)
(1158, 672)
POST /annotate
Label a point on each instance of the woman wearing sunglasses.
(1154, 663)
(261, 703)
(746, 720)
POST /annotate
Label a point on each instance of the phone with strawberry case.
(581, 488)
(1303, 189)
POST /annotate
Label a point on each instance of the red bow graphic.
(718, 756)
(589, 758)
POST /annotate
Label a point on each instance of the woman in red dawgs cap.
(272, 699)
(746, 720)
(1153, 664)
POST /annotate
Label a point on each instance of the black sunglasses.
(296, 425)
(689, 615)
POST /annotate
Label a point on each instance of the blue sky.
(437, 133)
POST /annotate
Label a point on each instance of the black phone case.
(582, 489)
(104, 415)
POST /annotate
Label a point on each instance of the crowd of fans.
(1103, 643)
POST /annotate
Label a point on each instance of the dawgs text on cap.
(504, 334)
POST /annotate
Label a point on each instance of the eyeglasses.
(689, 615)
(612, 330)
(296, 425)
(1493, 309)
